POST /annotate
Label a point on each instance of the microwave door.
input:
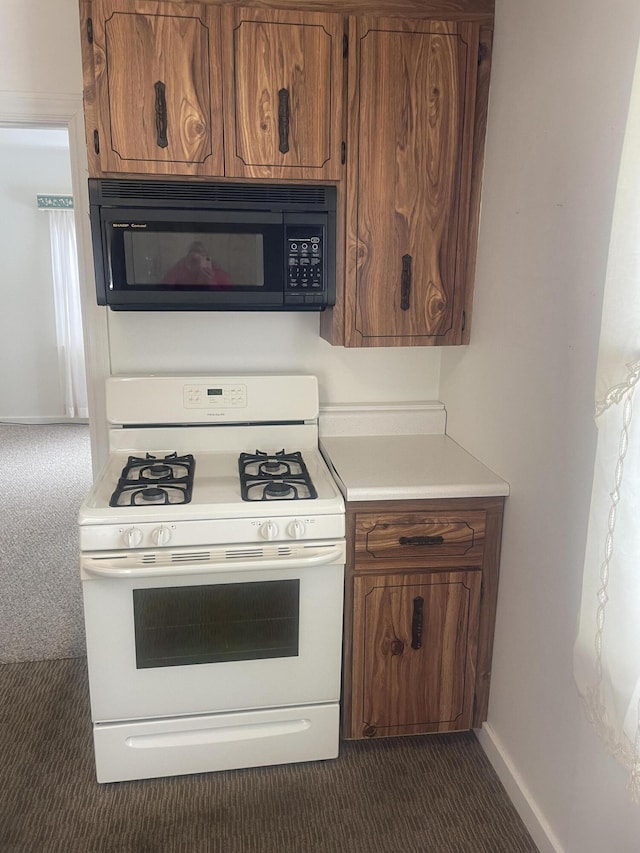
(194, 260)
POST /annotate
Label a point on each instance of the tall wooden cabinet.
(418, 89)
(420, 603)
(412, 101)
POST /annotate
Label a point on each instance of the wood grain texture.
(479, 136)
(89, 89)
(399, 689)
(266, 51)
(133, 51)
(467, 10)
(347, 642)
(412, 130)
(362, 571)
(395, 538)
(332, 319)
(490, 575)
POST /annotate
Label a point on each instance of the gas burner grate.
(274, 476)
(155, 481)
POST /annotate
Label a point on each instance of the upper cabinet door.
(283, 93)
(412, 96)
(158, 87)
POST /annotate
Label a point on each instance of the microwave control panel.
(305, 264)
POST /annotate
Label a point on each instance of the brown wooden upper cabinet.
(283, 93)
(158, 88)
(163, 70)
(411, 147)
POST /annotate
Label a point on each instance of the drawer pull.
(421, 540)
(416, 622)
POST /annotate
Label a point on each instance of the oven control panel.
(215, 396)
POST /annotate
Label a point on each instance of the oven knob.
(161, 535)
(133, 537)
(296, 529)
(269, 530)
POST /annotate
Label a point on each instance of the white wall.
(521, 396)
(41, 84)
(40, 46)
(31, 162)
(39, 42)
(235, 341)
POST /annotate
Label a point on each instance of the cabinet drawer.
(427, 539)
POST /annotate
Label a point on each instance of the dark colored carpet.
(434, 794)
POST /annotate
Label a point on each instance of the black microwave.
(162, 245)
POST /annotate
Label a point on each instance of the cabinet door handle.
(283, 120)
(405, 283)
(421, 540)
(416, 622)
(161, 114)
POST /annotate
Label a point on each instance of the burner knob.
(269, 530)
(296, 529)
(161, 535)
(133, 537)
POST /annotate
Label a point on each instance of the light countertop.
(404, 467)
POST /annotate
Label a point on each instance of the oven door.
(189, 632)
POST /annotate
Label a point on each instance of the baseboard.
(519, 794)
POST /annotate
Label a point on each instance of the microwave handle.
(105, 567)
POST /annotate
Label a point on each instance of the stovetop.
(154, 479)
(216, 513)
(217, 491)
(191, 482)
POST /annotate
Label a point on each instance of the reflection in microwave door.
(196, 268)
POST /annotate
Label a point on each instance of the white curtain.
(66, 287)
(607, 652)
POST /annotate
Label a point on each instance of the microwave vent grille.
(197, 194)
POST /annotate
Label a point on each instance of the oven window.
(213, 623)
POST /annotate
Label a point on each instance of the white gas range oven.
(212, 565)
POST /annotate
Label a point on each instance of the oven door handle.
(132, 566)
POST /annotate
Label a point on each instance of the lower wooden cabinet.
(420, 611)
